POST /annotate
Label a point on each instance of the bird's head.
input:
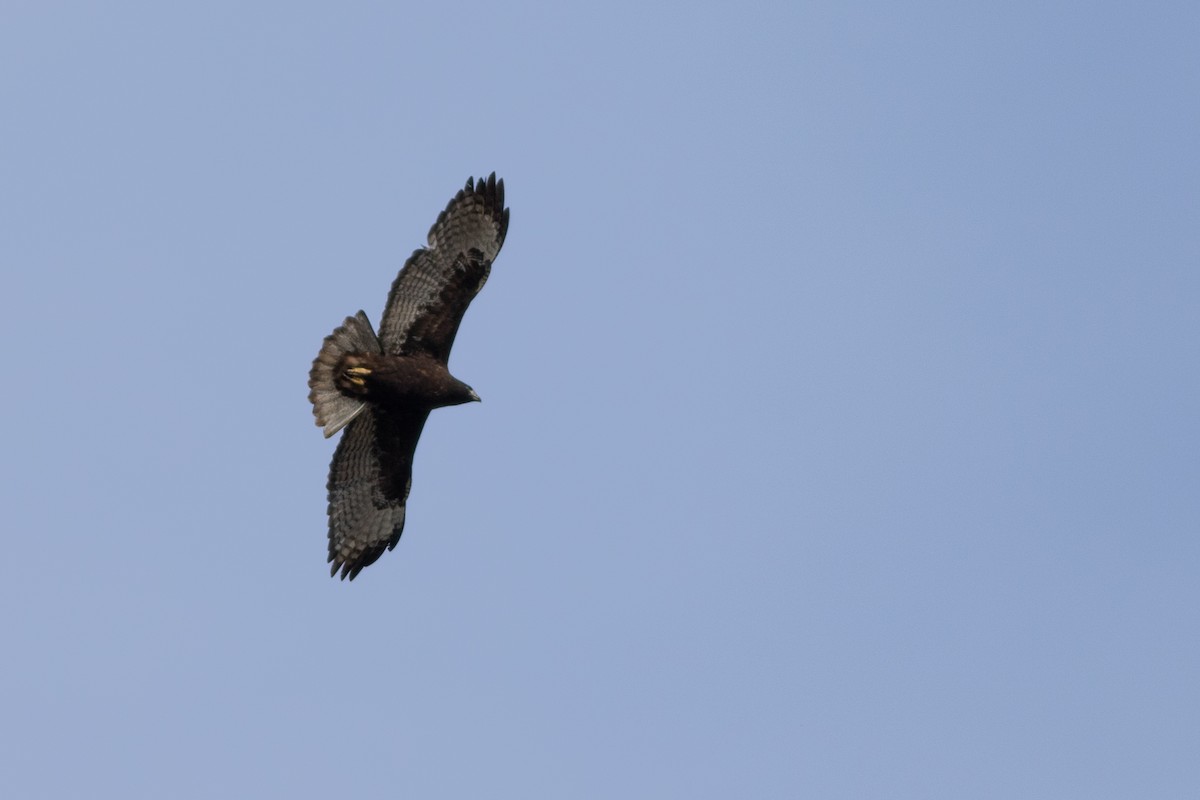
(458, 393)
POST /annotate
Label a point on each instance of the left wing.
(430, 295)
(369, 480)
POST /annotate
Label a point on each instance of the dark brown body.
(410, 382)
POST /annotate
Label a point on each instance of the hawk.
(381, 388)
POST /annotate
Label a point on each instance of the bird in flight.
(381, 388)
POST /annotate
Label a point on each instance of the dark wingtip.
(492, 189)
(355, 564)
(496, 188)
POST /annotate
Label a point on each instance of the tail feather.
(333, 409)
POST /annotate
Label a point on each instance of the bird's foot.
(352, 378)
(357, 375)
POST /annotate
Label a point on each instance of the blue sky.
(839, 432)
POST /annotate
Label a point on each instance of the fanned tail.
(333, 409)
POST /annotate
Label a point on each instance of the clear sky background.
(839, 433)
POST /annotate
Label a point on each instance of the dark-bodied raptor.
(382, 388)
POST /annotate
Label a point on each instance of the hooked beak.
(475, 397)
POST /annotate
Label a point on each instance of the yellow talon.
(355, 375)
